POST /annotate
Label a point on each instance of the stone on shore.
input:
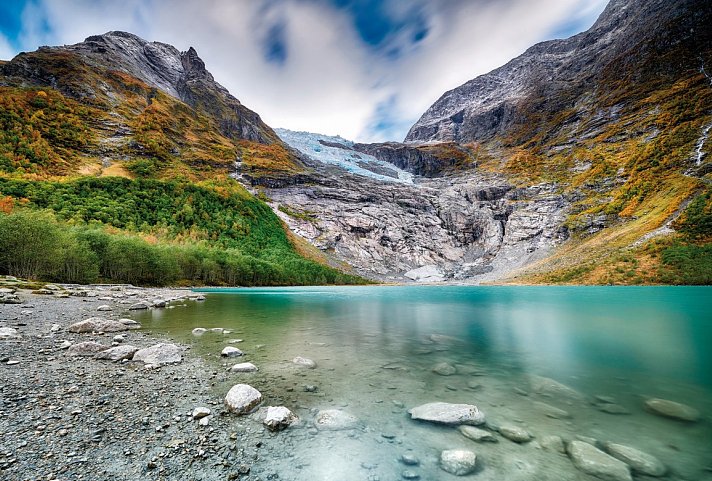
(595, 462)
(304, 362)
(163, 353)
(10, 298)
(278, 418)
(200, 412)
(335, 419)
(104, 308)
(8, 333)
(672, 409)
(477, 434)
(242, 398)
(447, 413)
(97, 324)
(230, 351)
(459, 462)
(88, 348)
(118, 353)
(139, 306)
(639, 461)
(515, 433)
(243, 367)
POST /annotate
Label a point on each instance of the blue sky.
(364, 69)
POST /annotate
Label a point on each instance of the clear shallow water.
(376, 346)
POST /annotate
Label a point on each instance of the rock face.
(556, 75)
(446, 413)
(459, 462)
(638, 461)
(242, 398)
(278, 418)
(672, 409)
(159, 354)
(97, 324)
(335, 420)
(597, 463)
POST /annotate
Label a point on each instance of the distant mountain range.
(583, 160)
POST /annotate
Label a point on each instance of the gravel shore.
(66, 417)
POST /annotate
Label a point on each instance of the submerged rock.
(242, 398)
(515, 433)
(639, 461)
(459, 462)
(447, 413)
(278, 418)
(335, 419)
(139, 306)
(477, 434)
(551, 411)
(595, 462)
(672, 409)
(553, 443)
(230, 351)
(158, 354)
(548, 387)
(444, 369)
(243, 367)
(199, 331)
(304, 362)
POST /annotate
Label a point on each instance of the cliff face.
(635, 48)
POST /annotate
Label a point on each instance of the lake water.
(376, 348)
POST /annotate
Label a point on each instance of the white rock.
(595, 462)
(8, 333)
(217, 330)
(335, 419)
(639, 461)
(515, 433)
(159, 354)
(200, 412)
(139, 306)
(130, 323)
(118, 353)
(303, 361)
(672, 409)
(278, 418)
(199, 331)
(243, 367)
(447, 413)
(230, 351)
(242, 398)
(104, 307)
(459, 462)
(55, 328)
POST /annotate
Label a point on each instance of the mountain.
(123, 154)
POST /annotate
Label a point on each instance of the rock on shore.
(242, 398)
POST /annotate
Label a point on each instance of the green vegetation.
(688, 264)
(170, 232)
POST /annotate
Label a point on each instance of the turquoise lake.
(376, 348)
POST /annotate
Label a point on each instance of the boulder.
(97, 324)
(10, 299)
(595, 462)
(672, 409)
(515, 433)
(158, 354)
(118, 353)
(88, 348)
(335, 419)
(242, 398)
(230, 351)
(278, 418)
(243, 367)
(459, 462)
(444, 369)
(477, 434)
(447, 413)
(304, 362)
(639, 461)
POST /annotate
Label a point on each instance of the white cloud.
(330, 82)
(6, 50)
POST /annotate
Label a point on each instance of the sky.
(362, 69)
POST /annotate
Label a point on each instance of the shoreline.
(68, 417)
